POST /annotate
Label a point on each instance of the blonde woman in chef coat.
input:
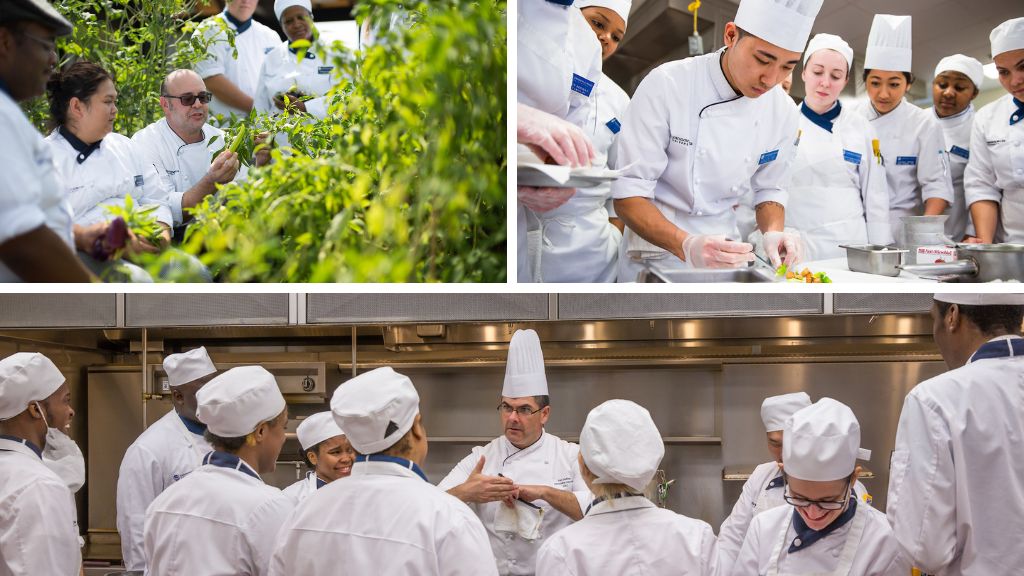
(838, 193)
(911, 142)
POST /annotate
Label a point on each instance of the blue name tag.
(851, 157)
(965, 154)
(768, 157)
(139, 180)
(614, 125)
(906, 160)
(325, 69)
(582, 85)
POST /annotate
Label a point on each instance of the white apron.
(576, 242)
(846, 557)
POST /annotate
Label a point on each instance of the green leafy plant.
(141, 220)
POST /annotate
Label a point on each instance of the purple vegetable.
(112, 241)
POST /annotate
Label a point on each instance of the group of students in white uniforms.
(703, 135)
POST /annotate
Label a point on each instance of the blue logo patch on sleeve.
(582, 85)
(267, 50)
(768, 157)
(906, 160)
(851, 157)
(614, 125)
(965, 154)
(139, 181)
(325, 69)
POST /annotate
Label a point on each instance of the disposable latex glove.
(776, 243)
(544, 199)
(703, 251)
(549, 136)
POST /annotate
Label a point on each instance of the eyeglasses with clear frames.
(522, 411)
(49, 44)
(823, 504)
(190, 99)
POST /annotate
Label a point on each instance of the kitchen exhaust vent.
(881, 303)
(58, 311)
(400, 308)
(156, 310)
(613, 306)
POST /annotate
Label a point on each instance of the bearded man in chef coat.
(524, 485)
(699, 132)
(956, 503)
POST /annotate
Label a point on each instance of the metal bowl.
(874, 259)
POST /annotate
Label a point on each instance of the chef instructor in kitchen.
(698, 132)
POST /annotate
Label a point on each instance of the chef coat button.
(735, 188)
(797, 542)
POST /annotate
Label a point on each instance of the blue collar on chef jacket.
(239, 25)
(84, 150)
(1003, 348)
(824, 120)
(806, 536)
(603, 498)
(320, 483)
(1019, 114)
(394, 460)
(310, 53)
(226, 460)
(36, 449)
(561, 2)
(777, 482)
(194, 427)
(5, 89)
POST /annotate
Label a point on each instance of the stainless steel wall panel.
(885, 303)
(398, 308)
(154, 310)
(58, 310)
(606, 306)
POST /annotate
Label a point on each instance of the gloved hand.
(544, 199)
(550, 136)
(703, 251)
(775, 243)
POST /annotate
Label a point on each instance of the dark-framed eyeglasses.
(190, 99)
(823, 504)
(522, 411)
(50, 44)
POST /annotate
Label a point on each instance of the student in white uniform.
(526, 484)
(231, 78)
(911, 143)
(623, 532)
(955, 500)
(838, 193)
(823, 529)
(282, 72)
(578, 242)
(222, 518)
(326, 451)
(689, 150)
(385, 518)
(764, 489)
(36, 239)
(181, 145)
(166, 452)
(38, 522)
(994, 179)
(956, 83)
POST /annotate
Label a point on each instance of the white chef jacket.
(252, 46)
(956, 131)
(383, 519)
(996, 168)
(117, 168)
(180, 166)
(763, 491)
(916, 161)
(691, 145)
(302, 489)
(630, 535)
(163, 454)
(864, 546)
(577, 243)
(281, 70)
(838, 194)
(216, 521)
(38, 522)
(550, 461)
(955, 499)
(31, 193)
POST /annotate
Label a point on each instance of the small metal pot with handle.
(977, 263)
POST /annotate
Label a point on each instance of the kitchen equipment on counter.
(875, 258)
(652, 273)
(921, 231)
(977, 263)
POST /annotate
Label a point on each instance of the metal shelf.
(690, 440)
(742, 474)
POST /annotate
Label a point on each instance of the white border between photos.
(511, 200)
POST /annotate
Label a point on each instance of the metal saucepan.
(977, 263)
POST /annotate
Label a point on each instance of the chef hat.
(35, 11)
(775, 410)
(621, 7)
(316, 429)
(188, 366)
(830, 42)
(375, 409)
(822, 442)
(621, 445)
(524, 370)
(234, 403)
(24, 378)
(281, 5)
(1007, 36)
(963, 64)
(991, 299)
(889, 44)
(784, 23)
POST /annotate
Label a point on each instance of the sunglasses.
(190, 99)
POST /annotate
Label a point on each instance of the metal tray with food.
(551, 176)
